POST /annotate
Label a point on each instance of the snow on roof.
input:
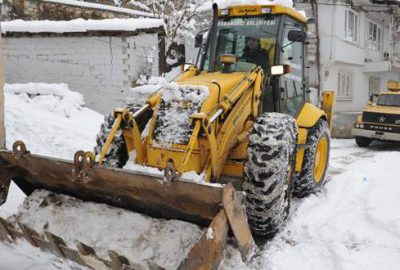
(79, 25)
(102, 7)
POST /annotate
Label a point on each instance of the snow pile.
(79, 25)
(139, 238)
(101, 7)
(179, 102)
(147, 86)
(54, 98)
(50, 119)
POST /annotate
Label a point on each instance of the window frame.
(372, 80)
(356, 23)
(371, 44)
(343, 96)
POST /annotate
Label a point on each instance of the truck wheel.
(363, 142)
(117, 155)
(315, 163)
(268, 172)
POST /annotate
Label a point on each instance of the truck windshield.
(389, 100)
(252, 40)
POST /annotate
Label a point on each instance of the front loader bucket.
(217, 208)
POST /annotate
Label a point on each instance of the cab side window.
(292, 84)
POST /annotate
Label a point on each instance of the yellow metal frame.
(218, 147)
(256, 10)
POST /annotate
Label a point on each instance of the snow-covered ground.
(354, 223)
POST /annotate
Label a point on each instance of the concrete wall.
(102, 68)
(2, 125)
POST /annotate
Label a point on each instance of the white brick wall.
(102, 68)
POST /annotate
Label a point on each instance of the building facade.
(358, 52)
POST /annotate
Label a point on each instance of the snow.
(102, 7)
(50, 119)
(210, 234)
(135, 236)
(354, 223)
(139, 5)
(79, 25)
(179, 102)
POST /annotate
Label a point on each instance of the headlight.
(265, 10)
(224, 12)
(361, 125)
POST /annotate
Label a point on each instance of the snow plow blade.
(217, 209)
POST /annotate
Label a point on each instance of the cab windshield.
(252, 40)
(389, 100)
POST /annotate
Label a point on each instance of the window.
(374, 85)
(374, 36)
(351, 26)
(292, 84)
(345, 84)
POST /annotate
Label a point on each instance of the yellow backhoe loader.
(239, 119)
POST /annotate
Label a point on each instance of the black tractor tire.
(308, 182)
(117, 154)
(363, 142)
(268, 173)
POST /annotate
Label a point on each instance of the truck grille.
(384, 118)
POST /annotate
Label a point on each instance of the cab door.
(292, 85)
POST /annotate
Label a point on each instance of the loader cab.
(260, 36)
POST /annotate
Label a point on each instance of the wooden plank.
(238, 222)
(208, 252)
(141, 193)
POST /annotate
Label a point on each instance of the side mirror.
(297, 36)
(198, 40)
(280, 70)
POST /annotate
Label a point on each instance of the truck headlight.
(265, 10)
(224, 12)
(361, 125)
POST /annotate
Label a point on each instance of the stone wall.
(102, 67)
(43, 10)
